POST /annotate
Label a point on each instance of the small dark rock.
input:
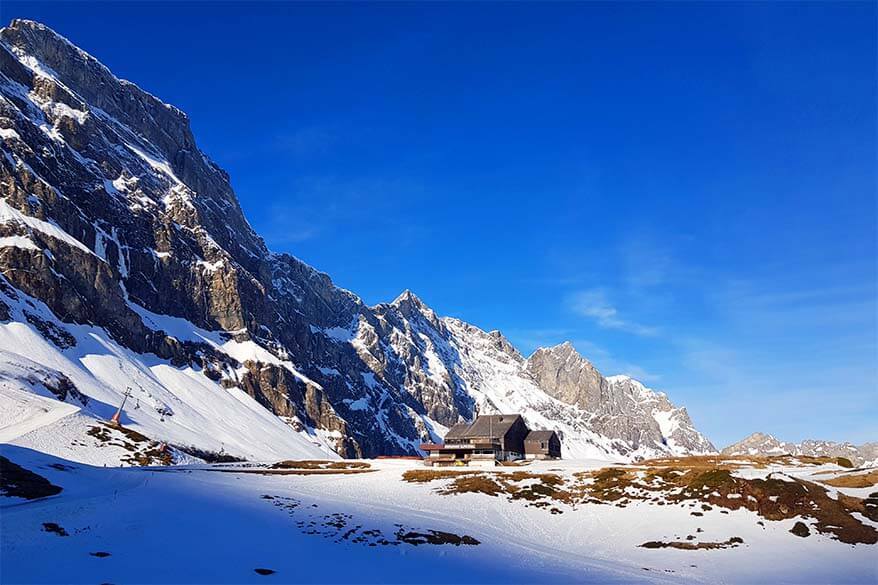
(265, 571)
(52, 527)
(800, 529)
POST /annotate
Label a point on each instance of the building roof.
(486, 425)
(539, 435)
(458, 431)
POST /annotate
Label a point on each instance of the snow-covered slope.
(52, 395)
(127, 262)
(201, 525)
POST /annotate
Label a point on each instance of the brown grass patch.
(428, 475)
(772, 498)
(706, 481)
(539, 491)
(854, 480)
(142, 451)
(480, 484)
(323, 465)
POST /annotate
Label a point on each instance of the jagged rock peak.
(565, 346)
(67, 61)
(565, 374)
(411, 306)
(563, 351)
(38, 34)
(407, 296)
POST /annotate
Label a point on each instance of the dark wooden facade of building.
(542, 445)
(488, 439)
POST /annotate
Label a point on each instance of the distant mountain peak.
(564, 346)
(766, 444)
(24, 24)
(410, 305)
(407, 296)
(563, 351)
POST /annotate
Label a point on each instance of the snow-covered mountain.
(865, 455)
(127, 263)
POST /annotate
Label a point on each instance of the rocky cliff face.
(567, 376)
(621, 408)
(113, 218)
(763, 444)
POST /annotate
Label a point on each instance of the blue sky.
(686, 191)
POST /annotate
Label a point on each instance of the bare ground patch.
(141, 450)
(684, 545)
(324, 465)
(854, 480)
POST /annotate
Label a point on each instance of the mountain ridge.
(758, 443)
(111, 216)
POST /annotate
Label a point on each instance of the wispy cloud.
(645, 263)
(595, 305)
